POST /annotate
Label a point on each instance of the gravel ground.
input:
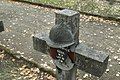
(12, 68)
(21, 21)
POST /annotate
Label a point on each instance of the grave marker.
(1, 26)
(79, 56)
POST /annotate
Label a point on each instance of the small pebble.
(54, 69)
(115, 57)
(118, 59)
(110, 65)
(109, 59)
(18, 51)
(86, 75)
(107, 70)
(117, 75)
(41, 59)
(119, 63)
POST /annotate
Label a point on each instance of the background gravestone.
(1, 26)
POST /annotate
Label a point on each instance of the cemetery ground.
(94, 7)
(12, 68)
(22, 21)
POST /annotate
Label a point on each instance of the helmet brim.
(56, 45)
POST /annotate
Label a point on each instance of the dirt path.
(12, 68)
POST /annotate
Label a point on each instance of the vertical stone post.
(71, 19)
(1, 26)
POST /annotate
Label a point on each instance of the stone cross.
(86, 59)
(1, 26)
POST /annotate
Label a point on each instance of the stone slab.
(90, 53)
(91, 61)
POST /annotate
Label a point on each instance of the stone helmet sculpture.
(60, 36)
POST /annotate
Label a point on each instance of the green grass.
(88, 6)
(58, 3)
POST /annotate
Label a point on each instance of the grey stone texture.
(1, 26)
(60, 36)
(91, 61)
(40, 44)
(67, 25)
(71, 19)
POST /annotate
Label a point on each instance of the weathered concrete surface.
(39, 43)
(89, 60)
(21, 21)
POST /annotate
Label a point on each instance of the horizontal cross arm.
(91, 61)
(83, 50)
(39, 42)
(88, 60)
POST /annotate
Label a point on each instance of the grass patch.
(96, 7)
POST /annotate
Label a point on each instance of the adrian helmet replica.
(60, 36)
